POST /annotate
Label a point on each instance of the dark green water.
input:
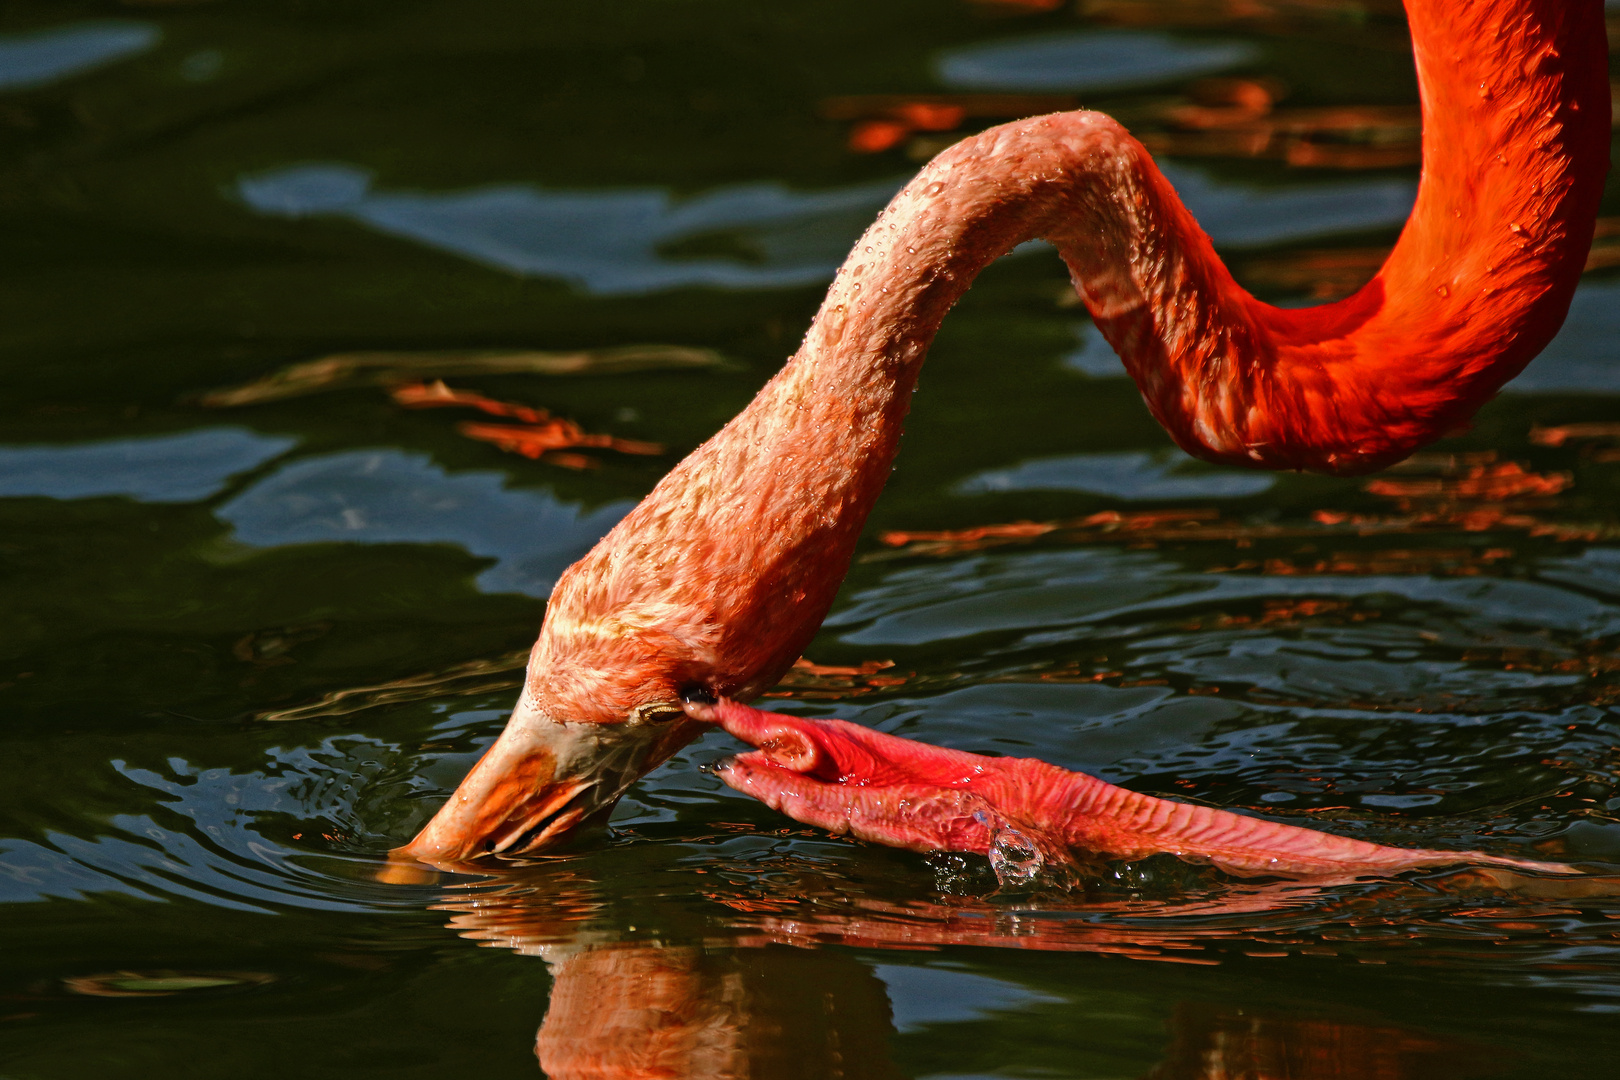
(196, 195)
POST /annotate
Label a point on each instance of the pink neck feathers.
(722, 575)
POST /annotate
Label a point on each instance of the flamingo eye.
(698, 694)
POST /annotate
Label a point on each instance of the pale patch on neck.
(621, 623)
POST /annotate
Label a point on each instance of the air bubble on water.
(1015, 858)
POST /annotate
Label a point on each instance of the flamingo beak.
(544, 779)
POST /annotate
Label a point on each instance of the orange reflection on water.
(1331, 273)
(641, 1011)
(1219, 117)
(1588, 437)
(538, 434)
(737, 1003)
(882, 121)
(1435, 493)
(1021, 7)
(1225, 12)
(1238, 118)
(1435, 561)
(634, 1011)
(1211, 1042)
(1322, 274)
(1104, 523)
(1491, 482)
(810, 681)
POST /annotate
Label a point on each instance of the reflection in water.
(342, 370)
(883, 121)
(186, 467)
(44, 56)
(1330, 273)
(537, 434)
(474, 677)
(749, 236)
(1046, 590)
(625, 1011)
(1086, 61)
(1585, 356)
(1124, 474)
(1210, 1042)
(228, 838)
(1094, 356)
(1273, 15)
(1242, 215)
(1321, 273)
(116, 984)
(748, 1007)
(921, 995)
(609, 243)
(1395, 674)
(1235, 118)
(385, 497)
(1216, 117)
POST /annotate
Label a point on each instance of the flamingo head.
(544, 779)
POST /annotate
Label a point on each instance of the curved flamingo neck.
(1516, 141)
(1516, 136)
(724, 572)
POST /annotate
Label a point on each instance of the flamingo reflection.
(763, 1000)
(1214, 1043)
(641, 1010)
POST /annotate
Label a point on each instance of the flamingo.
(704, 595)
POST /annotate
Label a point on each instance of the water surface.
(247, 650)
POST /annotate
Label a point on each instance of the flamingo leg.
(1021, 812)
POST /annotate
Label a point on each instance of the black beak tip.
(719, 766)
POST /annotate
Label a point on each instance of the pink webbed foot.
(852, 780)
(849, 779)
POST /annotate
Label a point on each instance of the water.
(246, 650)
